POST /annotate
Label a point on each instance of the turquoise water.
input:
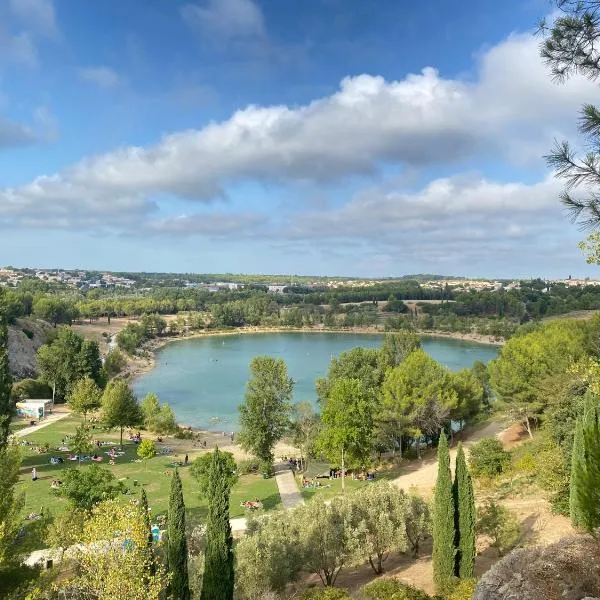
(204, 379)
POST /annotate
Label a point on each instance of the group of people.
(137, 438)
(252, 504)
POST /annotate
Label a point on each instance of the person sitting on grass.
(56, 483)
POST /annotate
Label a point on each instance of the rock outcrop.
(566, 570)
(24, 339)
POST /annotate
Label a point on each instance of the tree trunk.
(121, 437)
(528, 426)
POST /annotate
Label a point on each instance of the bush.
(487, 458)
(500, 525)
(183, 434)
(388, 588)
(325, 593)
(463, 590)
(249, 466)
(267, 468)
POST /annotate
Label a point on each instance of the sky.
(325, 137)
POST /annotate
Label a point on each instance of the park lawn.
(154, 475)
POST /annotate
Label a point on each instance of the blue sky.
(321, 137)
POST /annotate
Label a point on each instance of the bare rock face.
(24, 339)
(566, 570)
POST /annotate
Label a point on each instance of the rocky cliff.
(24, 339)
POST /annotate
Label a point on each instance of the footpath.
(47, 421)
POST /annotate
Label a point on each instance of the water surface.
(204, 379)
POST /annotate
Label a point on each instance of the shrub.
(267, 468)
(388, 588)
(500, 525)
(463, 590)
(325, 593)
(249, 466)
(183, 434)
(487, 458)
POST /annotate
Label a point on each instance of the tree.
(325, 538)
(499, 524)
(469, 395)
(570, 47)
(347, 425)
(120, 407)
(388, 588)
(84, 397)
(488, 458)
(66, 530)
(378, 515)
(146, 450)
(201, 470)
(269, 556)
(464, 518)
(304, 427)
(585, 470)
(577, 475)
(151, 558)
(26, 389)
(120, 570)
(176, 551)
(397, 346)
(157, 417)
(86, 487)
(218, 580)
(443, 520)
(81, 442)
(114, 363)
(66, 360)
(54, 310)
(264, 415)
(11, 504)
(6, 404)
(418, 522)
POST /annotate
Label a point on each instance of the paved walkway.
(57, 416)
(288, 490)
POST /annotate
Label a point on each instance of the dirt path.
(422, 474)
(288, 489)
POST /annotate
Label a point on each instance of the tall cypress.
(6, 406)
(177, 558)
(577, 475)
(443, 520)
(149, 536)
(464, 518)
(585, 474)
(218, 580)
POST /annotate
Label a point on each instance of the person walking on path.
(34, 474)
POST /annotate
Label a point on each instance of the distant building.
(276, 289)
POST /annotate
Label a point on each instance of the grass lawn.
(333, 487)
(154, 475)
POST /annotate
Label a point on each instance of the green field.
(154, 476)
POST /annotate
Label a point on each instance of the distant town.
(86, 280)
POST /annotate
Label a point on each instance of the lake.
(204, 379)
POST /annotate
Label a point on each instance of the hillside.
(24, 339)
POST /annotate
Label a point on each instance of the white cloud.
(18, 48)
(103, 77)
(14, 134)
(226, 18)
(38, 15)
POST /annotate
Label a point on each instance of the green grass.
(153, 476)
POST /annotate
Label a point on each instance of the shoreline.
(139, 365)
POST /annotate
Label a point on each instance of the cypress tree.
(176, 542)
(443, 520)
(577, 475)
(464, 518)
(6, 407)
(218, 580)
(585, 474)
(150, 537)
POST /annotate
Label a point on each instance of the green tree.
(86, 487)
(66, 360)
(500, 525)
(54, 310)
(157, 417)
(585, 473)
(84, 397)
(397, 346)
(304, 428)
(418, 522)
(577, 475)
(469, 396)
(388, 588)
(11, 505)
(114, 363)
(488, 458)
(570, 47)
(6, 404)
(265, 413)
(120, 407)
(378, 515)
(464, 518)
(146, 450)
(150, 407)
(81, 442)
(218, 579)
(176, 552)
(26, 389)
(151, 558)
(347, 425)
(202, 467)
(444, 549)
